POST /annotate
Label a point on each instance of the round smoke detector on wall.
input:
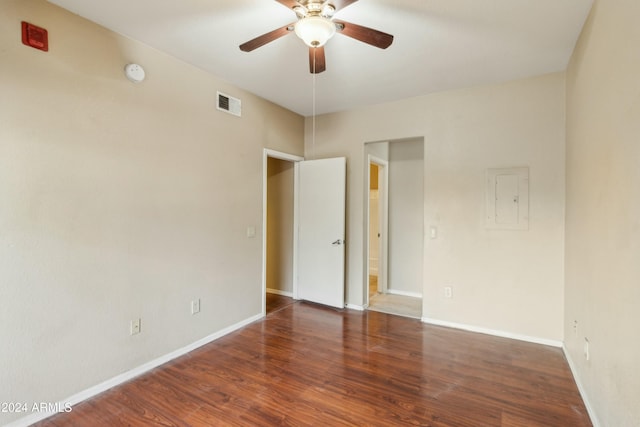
(134, 72)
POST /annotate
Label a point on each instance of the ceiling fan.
(315, 26)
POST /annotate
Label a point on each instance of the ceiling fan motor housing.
(314, 8)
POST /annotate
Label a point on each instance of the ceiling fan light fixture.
(315, 31)
(301, 11)
(328, 10)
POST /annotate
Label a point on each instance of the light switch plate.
(134, 327)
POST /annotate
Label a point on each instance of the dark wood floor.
(306, 365)
(277, 302)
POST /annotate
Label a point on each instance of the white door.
(321, 231)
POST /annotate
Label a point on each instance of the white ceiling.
(439, 44)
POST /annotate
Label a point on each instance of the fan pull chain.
(313, 123)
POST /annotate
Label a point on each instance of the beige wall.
(406, 216)
(280, 187)
(603, 211)
(510, 281)
(119, 201)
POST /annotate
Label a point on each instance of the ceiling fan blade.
(266, 38)
(317, 62)
(366, 35)
(341, 4)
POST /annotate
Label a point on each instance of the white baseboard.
(135, 372)
(355, 307)
(493, 332)
(585, 398)
(279, 292)
(404, 293)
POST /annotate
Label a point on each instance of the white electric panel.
(507, 197)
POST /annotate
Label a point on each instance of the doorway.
(378, 222)
(394, 218)
(278, 230)
(303, 220)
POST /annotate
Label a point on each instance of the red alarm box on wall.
(35, 36)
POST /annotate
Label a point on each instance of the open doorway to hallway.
(304, 206)
(278, 197)
(378, 226)
(395, 216)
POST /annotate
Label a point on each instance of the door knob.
(338, 242)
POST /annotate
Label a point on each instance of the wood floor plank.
(308, 365)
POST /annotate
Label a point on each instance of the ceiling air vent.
(229, 104)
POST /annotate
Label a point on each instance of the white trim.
(355, 307)
(296, 226)
(133, 373)
(404, 293)
(282, 156)
(585, 398)
(265, 158)
(493, 332)
(279, 292)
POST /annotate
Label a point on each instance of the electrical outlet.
(195, 306)
(448, 292)
(134, 327)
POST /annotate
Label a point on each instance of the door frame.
(265, 159)
(383, 218)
